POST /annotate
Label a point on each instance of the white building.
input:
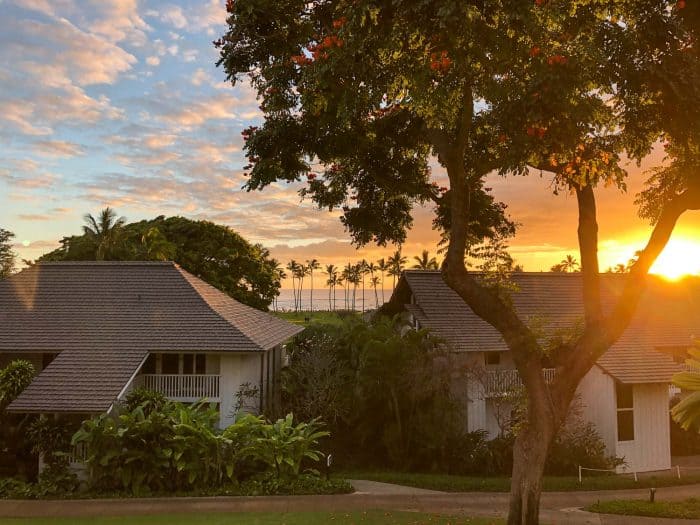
(95, 330)
(626, 393)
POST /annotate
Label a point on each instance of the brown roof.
(105, 317)
(120, 306)
(668, 315)
(80, 381)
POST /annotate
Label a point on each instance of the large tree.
(211, 251)
(359, 96)
(7, 254)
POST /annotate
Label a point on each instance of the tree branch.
(636, 281)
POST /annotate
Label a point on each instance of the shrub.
(179, 449)
(383, 390)
(148, 400)
(578, 443)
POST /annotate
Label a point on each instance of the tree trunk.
(529, 457)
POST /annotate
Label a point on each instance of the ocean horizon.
(285, 301)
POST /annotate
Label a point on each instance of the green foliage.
(7, 254)
(14, 378)
(51, 437)
(382, 389)
(687, 411)
(282, 445)
(154, 447)
(578, 443)
(148, 400)
(211, 251)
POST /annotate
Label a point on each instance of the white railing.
(77, 454)
(691, 369)
(501, 382)
(186, 387)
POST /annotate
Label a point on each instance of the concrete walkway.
(558, 508)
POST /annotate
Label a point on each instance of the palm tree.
(155, 247)
(374, 281)
(396, 264)
(347, 276)
(362, 269)
(293, 268)
(687, 412)
(311, 265)
(280, 275)
(105, 233)
(425, 261)
(382, 266)
(332, 273)
(302, 271)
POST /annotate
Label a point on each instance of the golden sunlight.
(680, 257)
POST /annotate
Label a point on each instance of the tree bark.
(529, 457)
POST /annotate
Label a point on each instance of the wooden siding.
(651, 448)
(597, 397)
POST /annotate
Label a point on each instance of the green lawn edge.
(686, 509)
(370, 517)
(454, 483)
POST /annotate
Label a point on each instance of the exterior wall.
(651, 448)
(470, 389)
(598, 405)
(235, 370)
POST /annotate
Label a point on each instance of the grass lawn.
(687, 509)
(378, 517)
(320, 316)
(449, 483)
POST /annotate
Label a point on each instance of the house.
(95, 330)
(626, 393)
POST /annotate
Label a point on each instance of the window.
(194, 363)
(625, 412)
(493, 358)
(170, 364)
(149, 367)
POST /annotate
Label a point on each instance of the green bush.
(578, 443)
(383, 391)
(179, 449)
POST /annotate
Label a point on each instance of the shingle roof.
(122, 306)
(80, 381)
(668, 315)
(105, 317)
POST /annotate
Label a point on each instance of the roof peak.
(106, 263)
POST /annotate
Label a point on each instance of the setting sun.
(680, 257)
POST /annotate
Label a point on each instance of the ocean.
(285, 301)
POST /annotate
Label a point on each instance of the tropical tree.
(382, 266)
(396, 264)
(374, 281)
(293, 268)
(332, 272)
(7, 254)
(301, 271)
(280, 275)
(311, 265)
(687, 411)
(425, 261)
(568, 265)
(359, 97)
(347, 279)
(105, 233)
(213, 252)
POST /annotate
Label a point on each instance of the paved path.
(558, 508)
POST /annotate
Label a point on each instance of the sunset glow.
(681, 257)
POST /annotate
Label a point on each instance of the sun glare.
(681, 257)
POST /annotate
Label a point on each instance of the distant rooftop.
(668, 316)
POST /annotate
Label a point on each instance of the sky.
(119, 103)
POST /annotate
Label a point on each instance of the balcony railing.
(502, 382)
(187, 388)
